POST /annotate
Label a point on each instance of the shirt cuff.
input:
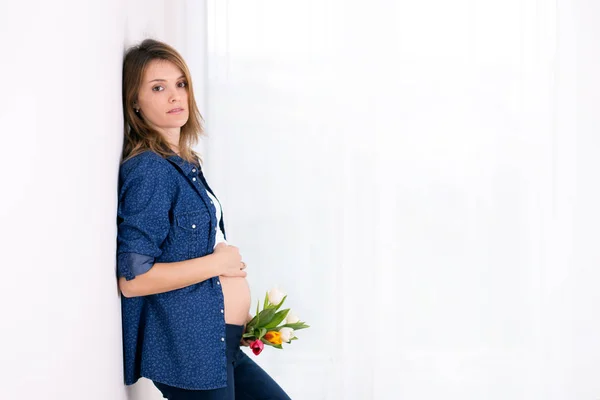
(131, 265)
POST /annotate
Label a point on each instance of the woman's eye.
(160, 88)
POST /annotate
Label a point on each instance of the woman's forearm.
(164, 277)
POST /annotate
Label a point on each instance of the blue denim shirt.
(165, 215)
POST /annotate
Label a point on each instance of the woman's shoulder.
(147, 164)
(145, 159)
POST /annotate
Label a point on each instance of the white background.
(420, 177)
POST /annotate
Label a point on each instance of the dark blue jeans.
(245, 379)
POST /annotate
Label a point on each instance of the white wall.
(424, 174)
(572, 354)
(61, 118)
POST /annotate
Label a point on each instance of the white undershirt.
(219, 238)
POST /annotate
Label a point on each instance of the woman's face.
(163, 97)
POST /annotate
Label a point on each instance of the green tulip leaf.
(280, 303)
(266, 304)
(256, 319)
(277, 318)
(296, 326)
(252, 322)
(262, 332)
(266, 316)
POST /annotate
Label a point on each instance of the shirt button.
(194, 170)
(211, 202)
(222, 311)
(194, 179)
(222, 339)
(193, 226)
(218, 283)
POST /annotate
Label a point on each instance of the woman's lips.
(176, 111)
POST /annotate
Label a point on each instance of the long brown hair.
(139, 136)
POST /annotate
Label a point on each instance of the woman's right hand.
(229, 260)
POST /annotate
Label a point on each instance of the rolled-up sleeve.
(145, 199)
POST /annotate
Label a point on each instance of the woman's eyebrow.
(163, 80)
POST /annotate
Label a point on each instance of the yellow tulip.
(273, 337)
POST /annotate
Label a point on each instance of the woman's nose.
(174, 96)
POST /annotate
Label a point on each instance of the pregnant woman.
(185, 299)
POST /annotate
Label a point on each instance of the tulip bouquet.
(271, 326)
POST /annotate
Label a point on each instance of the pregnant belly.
(236, 295)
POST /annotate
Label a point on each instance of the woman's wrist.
(216, 263)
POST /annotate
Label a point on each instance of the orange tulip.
(273, 337)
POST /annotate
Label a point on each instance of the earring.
(137, 110)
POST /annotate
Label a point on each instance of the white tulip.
(291, 318)
(286, 334)
(275, 296)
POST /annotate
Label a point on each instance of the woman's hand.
(230, 261)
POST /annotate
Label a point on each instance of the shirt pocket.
(193, 230)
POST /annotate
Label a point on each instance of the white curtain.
(405, 171)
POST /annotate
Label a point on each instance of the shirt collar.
(185, 166)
